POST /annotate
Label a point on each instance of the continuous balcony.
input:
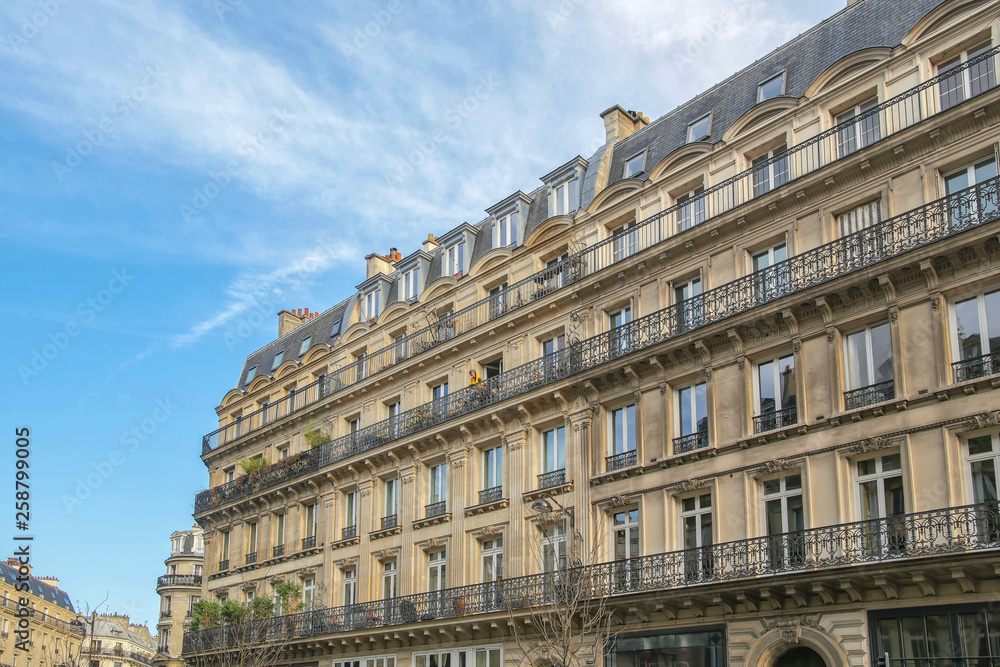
(893, 116)
(179, 580)
(919, 228)
(119, 654)
(894, 539)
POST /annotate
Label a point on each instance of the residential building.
(52, 637)
(179, 590)
(113, 641)
(746, 348)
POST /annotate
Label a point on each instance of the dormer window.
(304, 347)
(455, 259)
(277, 360)
(250, 374)
(567, 196)
(634, 165)
(773, 87)
(373, 304)
(411, 283)
(700, 129)
(505, 230)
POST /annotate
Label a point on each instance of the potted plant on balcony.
(316, 437)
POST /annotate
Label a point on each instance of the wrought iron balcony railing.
(690, 442)
(870, 127)
(165, 613)
(390, 521)
(179, 580)
(278, 551)
(251, 558)
(977, 367)
(955, 530)
(223, 565)
(349, 532)
(547, 480)
(493, 494)
(118, 653)
(870, 395)
(940, 219)
(622, 460)
(309, 542)
(435, 509)
(775, 419)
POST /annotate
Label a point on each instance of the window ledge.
(379, 534)
(432, 520)
(340, 544)
(615, 475)
(487, 507)
(531, 496)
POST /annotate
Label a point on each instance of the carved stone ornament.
(637, 396)
(796, 346)
(777, 465)
(622, 500)
(688, 485)
(432, 543)
(830, 336)
(983, 420)
(893, 315)
(386, 554)
(663, 389)
(936, 303)
(407, 479)
(871, 445)
(346, 563)
(742, 364)
(365, 493)
(492, 530)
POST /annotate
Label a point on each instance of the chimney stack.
(619, 123)
(430, 243)
(289, 320)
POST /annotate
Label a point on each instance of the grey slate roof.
(864, 24)
(38, 588)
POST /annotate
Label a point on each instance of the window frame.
(373, 303)
(506, 229)
(707, 118)
(641, 158)
(564, 200)
(411, 283)
(454, 257)
(765, 82)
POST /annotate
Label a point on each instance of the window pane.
(891, 462)
(765, 385)
(772, 486)
(967, 325)
(984, 481)
(796, 517)
(882, 353)
(701, 399)
(894, 496)
(981, 445)
(992, 303)
(957, 182)
(857, 360)
(974, 635)
(774, 525)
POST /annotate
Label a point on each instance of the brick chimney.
(51, 581)
(619, 123)
(288, 320)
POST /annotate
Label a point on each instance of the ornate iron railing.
(435, 509)
(491, 495)
(128, 655)
(547, 480)
(278, 551)
(223, 565)
(349, 532)
(390, 521)
(690, 442)
(977, 367)
(179, 580)
(165, 613)
(770, 421)
(887, 119)
(251, 558)
(870, 395)
(37, 614)
(619, 461)
(309, 542)
(940, 532)
(890, 238)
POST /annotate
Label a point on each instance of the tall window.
(312, 520)
(391, 497)
(308, 593)
(373, 304)
(252, 542)
(554, 450)
(224, 547)
(625, 536)
(350, 586)
(553, 345)
(620, 339)
(399, 348)
(696, 523)
(492, 553)
(869, 366)
(692, 209)
(498, 300)
(455, 263)
(770, 284)
(784, 520)
(975, 205)
(279, 530)
(567, 196)
(437, 562)
(438, 484)
(506, 230)
(493, 468)
(622, 438)
(692, 418)
(881, 502)
(689, 313)
(969, 82)
(350, 509)
(439, 391)
(626, 241)
(858, 132)
(776, 405)
(860, 217)
(976, 336)
(411, 283)
(390, 570)
(770, 171)
(554, 548)
(554, 273)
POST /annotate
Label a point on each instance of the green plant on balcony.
(253, 464)
(316, 437)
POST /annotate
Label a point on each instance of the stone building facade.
(179, 590)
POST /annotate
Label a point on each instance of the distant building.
(179, 590)
(116, 642)
(52, 639)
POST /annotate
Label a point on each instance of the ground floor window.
(479, 656)
(704, 648)
(966, 635)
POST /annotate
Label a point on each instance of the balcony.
(493, 494)
(619, 461)
(278, 551)
(771, 421)
(919, 228)
(349, 532)
(554, 478)
(893, 116)
(251, 558)
(165, 613)
(691, 442)
(223, 565)
(389, 522)
(308, 542)
(977, 367)
(870, 395)
(179, 580)
(435, 509)
(897, 539)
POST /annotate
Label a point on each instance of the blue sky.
(167, 166)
